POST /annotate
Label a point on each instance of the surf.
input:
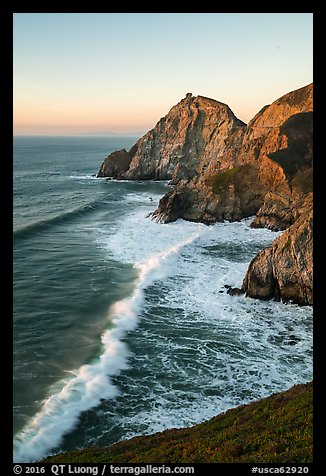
(92, 382)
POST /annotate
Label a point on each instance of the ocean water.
(122, 326)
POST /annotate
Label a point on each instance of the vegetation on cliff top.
(276, 429)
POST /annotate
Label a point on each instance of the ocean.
(122, 326)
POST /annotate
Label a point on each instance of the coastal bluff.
(274, 429)
(224, 169)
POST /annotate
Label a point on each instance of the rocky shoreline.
(223, 169)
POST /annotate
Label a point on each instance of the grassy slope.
(275, 429)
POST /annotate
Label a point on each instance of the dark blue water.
(121, 325)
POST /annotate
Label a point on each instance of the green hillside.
(275, 429)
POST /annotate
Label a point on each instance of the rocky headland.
(224, 169)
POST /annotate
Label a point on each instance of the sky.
(119, 73)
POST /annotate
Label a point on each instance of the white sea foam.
(139, 238)
(231, 346)
(91, 383)
(86, 177)
(213, 351)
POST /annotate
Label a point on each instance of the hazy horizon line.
(100, 134)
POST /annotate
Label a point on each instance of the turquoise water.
(122, 326)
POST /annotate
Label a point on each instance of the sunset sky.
(102, 73)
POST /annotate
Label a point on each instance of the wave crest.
(44, 224)
(92, 382)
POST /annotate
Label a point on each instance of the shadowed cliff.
(223, 169)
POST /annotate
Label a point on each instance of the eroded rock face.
(175, 208)
(231, 194)
(278, 212)
(272, 154)
(225, 170)
(182, 143)
(285, 269)
(185, 141)
(117, 163)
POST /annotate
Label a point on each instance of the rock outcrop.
(285, 269)
(117, 163)
(223, 169)
(273, 153)
(180, 146)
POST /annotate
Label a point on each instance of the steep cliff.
(273, 153)
(180, 146)
(265, 169)
(285, 269)
(223, 169)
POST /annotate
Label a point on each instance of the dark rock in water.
(235, 291)
(285, 269)
(116, 164)
(223, 169)
(171, 206)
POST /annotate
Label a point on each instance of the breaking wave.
(92, 382)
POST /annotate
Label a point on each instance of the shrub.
(221, 181)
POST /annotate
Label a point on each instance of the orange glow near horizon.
(64, 118)
(64, 127)
(70, 119)
(120, 73)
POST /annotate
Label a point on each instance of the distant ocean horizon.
(122, 326)
(104, 135)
